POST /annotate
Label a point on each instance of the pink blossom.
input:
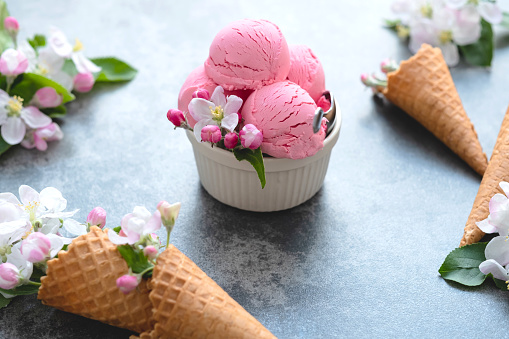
(230, 140)
(97, 217)
(127, 283)
(36, 247)
(83, 82)
(11, 25)
(201, 93)
(47, 97)
(150, 252)
(211, 133)
(9, 276)
(13, 62)
(169, 213)
(176, 117)
(39, 137)
(250, 136)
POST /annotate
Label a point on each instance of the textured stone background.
(359, 259)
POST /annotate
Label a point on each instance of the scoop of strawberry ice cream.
(284, 113)
(248, 54)
(306, 71)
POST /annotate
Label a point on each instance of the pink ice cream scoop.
(248, 54)
(306, 71)
(198, 79)
(284, 113)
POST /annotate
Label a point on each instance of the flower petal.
(56, 244)
(115, 238)
(233, 104)
(74, 227)
(493, 267)
(451, 54)
(199, 126)
(200, 108)
(505, 187)
(490, 12)
(9, 197)
(58, 42)
(230, 122)
(28, 195)
(486, 227)
(13, 130)
(218, 97)
(34, 118)
(16, 258)
(52, 199)
(83, 64)
(498, 250)
(63, 79)
(153, 224)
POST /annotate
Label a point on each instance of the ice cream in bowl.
(257, 99)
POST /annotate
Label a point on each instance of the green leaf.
(70, 68)
(480, 53)
(37, 41)
(4, 301)
(255, 158)
(505, 20)
(29, 83)
(5, 38)
(55, 112)
(500, 283)
(117, 229)
(22, 290)
(392, 24)
(462, 265)
(135, 259)
(4, 146)
(113, 70)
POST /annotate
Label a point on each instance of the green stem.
(167, 238)
(146, 270)
(33, 283)
(10, 80)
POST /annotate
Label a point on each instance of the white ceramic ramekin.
(289, 182)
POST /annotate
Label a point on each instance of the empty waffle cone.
(189, 304)
(83, 281)
(497, 171)
(423, 88)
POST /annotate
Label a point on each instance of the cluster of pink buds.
(249, 136)
(379, 83)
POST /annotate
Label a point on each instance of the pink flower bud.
(365, 78)
(9, 276)
(230, 140)
(11, 25)
(211, 133)
(388, 65)
(13, 62)
(36, 247)
(128, 283)
(176, 117)
(201, 93)
(169, 213)
(83, 82)
(323, 103)
(38, 138)
(250, 136)
(150, 252)
(97, 217)
(47, 97)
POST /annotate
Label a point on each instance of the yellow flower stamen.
(427, 11)
(14, 106)
(402, 31)
(78, 46)
(42, 70)
(217, 113)
(31, 208)
(30, 231)
(445, 37)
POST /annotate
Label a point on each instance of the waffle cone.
(423, 88)
(83, 281)
(497, 171)
(189, 304)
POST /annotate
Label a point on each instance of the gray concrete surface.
(359, 259)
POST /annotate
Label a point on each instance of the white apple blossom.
(498, 219)
(497, 258)
(14, 118)
(136, 225)
(218, 110)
